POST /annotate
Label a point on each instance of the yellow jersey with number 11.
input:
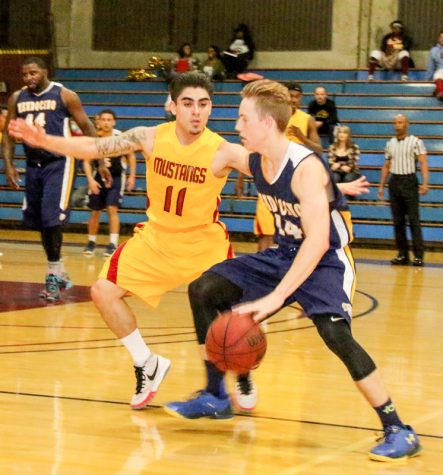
(182, 191)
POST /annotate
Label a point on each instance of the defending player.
(312, 265)
(49, 176)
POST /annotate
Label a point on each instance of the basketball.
(235, 342)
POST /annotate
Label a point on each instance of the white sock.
(135, 344)
(55, 267)
(92, 238)
(113, 239)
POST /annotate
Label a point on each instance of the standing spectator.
(435, 67)
(240, 51)
(213, 66)
(184, 62)
(402, 153)
(393, 53)
(343, 156)
(101, 197)
(324, 112)
(49, 176)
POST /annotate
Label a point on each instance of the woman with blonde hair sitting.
(343, 156)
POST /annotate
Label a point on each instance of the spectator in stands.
(393, 53)
(240, 51)
(343, 156)
(402, 153)
(184, 62)
(101, 197)
(325, 115)
(213, 66)
(435, 67)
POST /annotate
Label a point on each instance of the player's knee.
(336, 333)
(104, 292)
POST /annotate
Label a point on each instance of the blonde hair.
(347, 130)
(271, 98)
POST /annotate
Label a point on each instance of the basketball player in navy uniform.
(312, 265)
(101, 197)
(49, 177)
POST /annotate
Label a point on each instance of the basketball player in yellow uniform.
(301, 129)
(186, 168)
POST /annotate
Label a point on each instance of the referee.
(402, 153)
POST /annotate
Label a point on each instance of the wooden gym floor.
(65, 381)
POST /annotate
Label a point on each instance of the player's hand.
(423, 189)
(94, 187)
(261, 308)
(381, 193)
(296, 132)
(13, 177)
(130, 183)
(356, 187)
(33, 134)
(105, 175)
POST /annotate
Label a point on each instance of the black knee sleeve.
(52, 242)
(336, 333)
(209, 295)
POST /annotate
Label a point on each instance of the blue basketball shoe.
(398, 443)
(203, 405)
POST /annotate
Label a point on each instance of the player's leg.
(57, 178)
(209, 295)
(93, 225)
(113, 200)
(400, 440)
(114, 230)
(132, 269)
(217, 290)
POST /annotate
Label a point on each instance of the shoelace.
(245, 385)
(388, 434)
(141, 378)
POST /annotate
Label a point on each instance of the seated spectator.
(213, 66)
(343, 156)
(435, 67)
(184, 62)
(241, 50)
(324, 112)
(393, 53)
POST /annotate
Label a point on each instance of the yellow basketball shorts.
(264, 221)
(154, 261)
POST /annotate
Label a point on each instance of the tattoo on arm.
(123, 144)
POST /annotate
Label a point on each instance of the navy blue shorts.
(329, 289)
(47, 193)
(108, 196)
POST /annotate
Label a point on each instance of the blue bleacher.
(368, 108)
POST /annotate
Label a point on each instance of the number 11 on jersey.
(179, 203)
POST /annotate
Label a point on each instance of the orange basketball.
(235, 342)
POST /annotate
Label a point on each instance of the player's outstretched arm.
(87, 148)
(355, 188)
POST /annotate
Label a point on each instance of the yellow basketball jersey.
(182, 191)
(301, 120)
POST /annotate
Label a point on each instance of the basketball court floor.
(65, 380)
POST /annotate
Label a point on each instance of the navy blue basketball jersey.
(48, 110)
(285, 207)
